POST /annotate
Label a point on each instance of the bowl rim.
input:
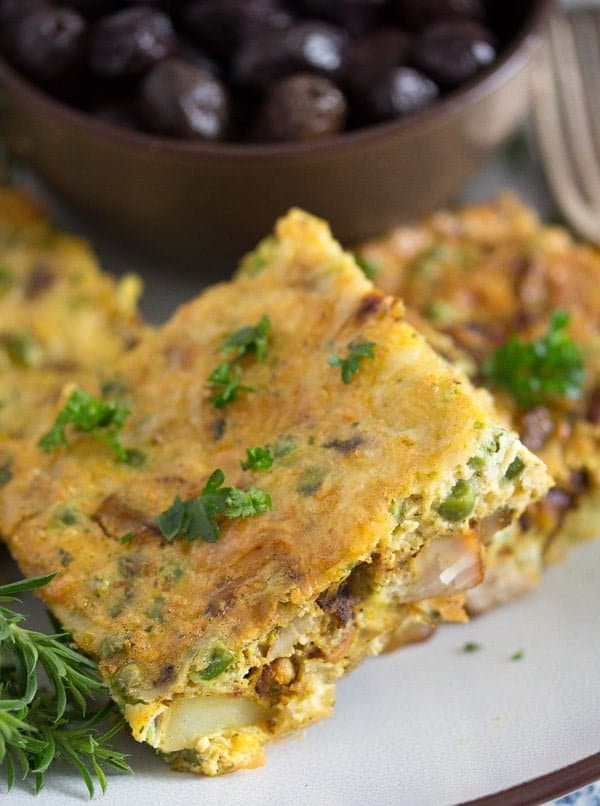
(487, 81)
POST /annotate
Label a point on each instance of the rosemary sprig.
(39, 726)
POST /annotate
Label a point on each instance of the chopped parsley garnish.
(225, 381)
(127, 538)
(253, 339)
(101, 419)
(197, 517)
(357, 351)
(538, 371)
(243, 504)
(472, 646)
(518, 655)
(258, 459)
(368, 267)
(254, 262)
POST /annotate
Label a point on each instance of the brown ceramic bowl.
(211, 202)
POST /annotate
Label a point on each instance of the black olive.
(417, 14)
(451, 52)
(309, 46)
(373, 56)
(180, 100)
(48, 44)
(130, 41)
(188, 53)
(402, 91)
(301, 107)
(296, 69)
(220, 26)
(11, 12)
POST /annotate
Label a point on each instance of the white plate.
(428, 724)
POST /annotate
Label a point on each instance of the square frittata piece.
(488, 277)
(311, 483)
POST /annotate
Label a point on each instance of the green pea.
(397, 510)
(515, 468)
(23, 348)
(134, 457)
(111, 645)
(5, 473)
(6, 279)
(310, 480)
(65, 516)
(282, 446)
(126, 682)
(368, 267)
(438, 310)
(156, 610)
(459, 504)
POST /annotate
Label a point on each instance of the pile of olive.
(247, 70)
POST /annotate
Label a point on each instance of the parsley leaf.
(357, 351)
(196, 517)
(101, 419)
(538, 371)
(225, 381)
(253, 339)
(240, 504)
(258, 459)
